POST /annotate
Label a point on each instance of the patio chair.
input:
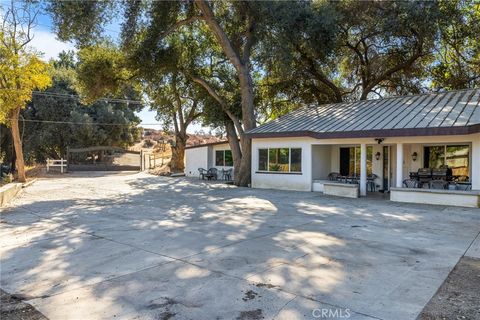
(201, 173)
(212, 173)
(333, 176)
(413, 175)
(227, 175)
(371, 185)
(410, 183)
(463, 186)
(438, 184)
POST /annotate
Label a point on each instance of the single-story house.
(382, 142)
(209, 155)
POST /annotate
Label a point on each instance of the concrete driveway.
(135, 246)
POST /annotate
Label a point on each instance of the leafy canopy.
(22, 71)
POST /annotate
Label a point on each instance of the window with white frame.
(280, 160)
(223, 158)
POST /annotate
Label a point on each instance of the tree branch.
(179, 24)
(222, 102)
(418, 52)
(218, 32)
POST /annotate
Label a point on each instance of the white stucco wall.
(203, 157)
(195, 158)
(286, 181)
(321, 162)
(475, 163)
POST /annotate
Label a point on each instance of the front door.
(386, 168)
(344, 161)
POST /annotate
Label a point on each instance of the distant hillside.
(158, 141)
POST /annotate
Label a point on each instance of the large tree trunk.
(248, 120)
(242, 66)
(20, 164)
(235, 147)
(177, 164)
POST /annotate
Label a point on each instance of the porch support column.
(363, 169)
(399, 177)
(475, 178)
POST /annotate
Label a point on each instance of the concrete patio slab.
(99, 246)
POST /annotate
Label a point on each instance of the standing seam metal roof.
(453, 112)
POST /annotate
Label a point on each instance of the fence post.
(48, 167)
(61, 165)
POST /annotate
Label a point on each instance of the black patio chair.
(227, 174)
(333, 176)
(212, 174)
(438, 184)
(202, 172)
(410, 183)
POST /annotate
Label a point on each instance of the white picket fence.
(62, 163)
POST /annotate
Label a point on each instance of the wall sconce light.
(377, 155)
(414, 156)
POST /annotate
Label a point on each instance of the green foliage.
(85, 125)
(84, 19)
(22, 72)
(300, 52)
(102, 71)
(457, 56)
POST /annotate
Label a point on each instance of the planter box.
(341, 189)
(318, 185)
(456, 198)
(8, 192)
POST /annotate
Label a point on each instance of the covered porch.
(430, 169)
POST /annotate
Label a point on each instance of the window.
(280, 160)
(455, 157)
(223, 158)
(263, 159)
(228, 158)
(350, 160)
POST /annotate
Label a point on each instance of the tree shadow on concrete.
(159, 247)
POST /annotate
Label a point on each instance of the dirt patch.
(251, 315)
(167, 315)
(459, 295)
(266, 285)
(249, 295)
(13, 308)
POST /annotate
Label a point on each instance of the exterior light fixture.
(379, 140)
(377, 155)
(414, 156)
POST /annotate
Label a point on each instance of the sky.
(46, 42)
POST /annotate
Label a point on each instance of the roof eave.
(379, 133)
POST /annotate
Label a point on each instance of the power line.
(76, 97)
(87, 123)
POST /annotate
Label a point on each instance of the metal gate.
(103, 158)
